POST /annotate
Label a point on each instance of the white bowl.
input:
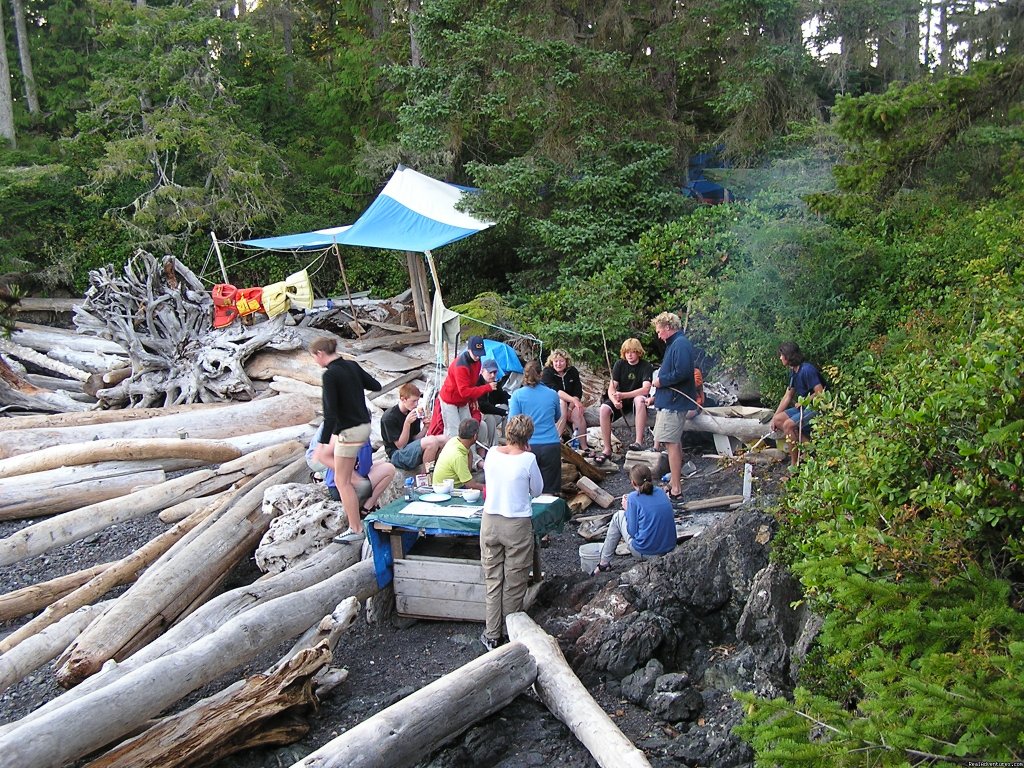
(471, 495)
(441, 488)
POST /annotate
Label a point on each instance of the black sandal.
(634, 447)
(601, 568)
(601, 458)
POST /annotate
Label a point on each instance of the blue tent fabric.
(412, 213)
(503, 355)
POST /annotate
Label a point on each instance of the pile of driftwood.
(145, 337)
(207, 464)
(171, 633)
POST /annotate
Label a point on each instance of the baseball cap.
(489, 364)
(475, 345)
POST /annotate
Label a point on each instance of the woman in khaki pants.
(512, 478)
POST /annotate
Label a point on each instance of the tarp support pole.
(220, 259)
(420, 293)
(348, 293)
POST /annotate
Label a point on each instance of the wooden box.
(441, 579)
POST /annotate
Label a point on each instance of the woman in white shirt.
(512, 478)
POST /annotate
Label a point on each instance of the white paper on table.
(545, 498)
(436, 510)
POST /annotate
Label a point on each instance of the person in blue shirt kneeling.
(645, 523)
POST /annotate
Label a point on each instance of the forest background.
(875, 149)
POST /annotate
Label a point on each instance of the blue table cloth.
(547, 517)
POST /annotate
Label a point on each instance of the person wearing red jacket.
(460, 390)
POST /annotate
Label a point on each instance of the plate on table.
(435, 497)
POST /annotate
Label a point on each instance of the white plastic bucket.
(590, 556)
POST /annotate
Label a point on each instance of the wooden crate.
(441, 579)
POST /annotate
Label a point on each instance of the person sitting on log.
(346, 424)
(628, 390)
(561, 375)
(646, 522)
(453, 461)
(404, 432)
(792, 418)
(370, 478)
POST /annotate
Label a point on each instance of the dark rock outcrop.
(670, 607)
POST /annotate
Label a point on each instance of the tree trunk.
(26, 600)
(404, 732)
(96, 719)
(66, 488)
(414, 46)
(30, 655)
(133, 450)
(570, 701)
(124, 570)
(232, 420)
(6, 99)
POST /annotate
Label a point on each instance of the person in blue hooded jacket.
(675, 398)
(646, 522)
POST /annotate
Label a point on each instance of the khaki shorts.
(350, 440)
(669, 425)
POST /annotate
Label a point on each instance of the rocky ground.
(389, 660)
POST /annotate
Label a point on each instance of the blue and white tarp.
(412, 213)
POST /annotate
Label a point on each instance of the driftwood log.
(407, 730)
(163, 316)
(99, 718)
(47, 644)
(91, 418)
(18, 392)
(600, 496)
(117, 573)
(42, 361)
(585, 468)
(77, 524)
(172, 586)
(570, 701)
(746, 430)
(293, 364)
(66, 488)
(31, 599)
(228, 421)
(252, 712)
(72, 387)
(44, 338)
(326, 564)
(204, 451)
